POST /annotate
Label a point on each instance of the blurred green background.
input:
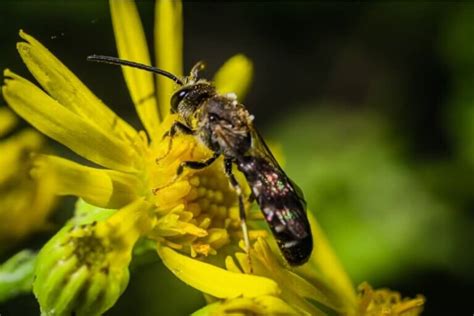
(373, 105)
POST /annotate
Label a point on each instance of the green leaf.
(16, 275)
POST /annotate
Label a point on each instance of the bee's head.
(192, 93)
(187, 98)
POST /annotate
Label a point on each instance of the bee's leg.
(177, 126)
(197, 164)
(192, 165)
(238, 190)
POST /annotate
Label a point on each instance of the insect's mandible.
(225, 126)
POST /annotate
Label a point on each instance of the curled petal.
(235, 76)
(64, 126)
(68, 90)
(213, 280)
(131, 45)
(168, 47)
(100, 187)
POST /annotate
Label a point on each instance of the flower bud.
(84, 268)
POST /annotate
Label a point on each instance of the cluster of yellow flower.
(20, 195)
(84, 267)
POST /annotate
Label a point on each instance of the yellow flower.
(133, 192)
(25, 203)
(385, 302)
(318, 287)
(196, 214)
(193, 211)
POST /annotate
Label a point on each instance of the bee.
(226, 127)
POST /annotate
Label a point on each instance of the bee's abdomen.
(297, 251)
(283, 208)
(290, 227)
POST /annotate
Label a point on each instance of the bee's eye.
(177, 97)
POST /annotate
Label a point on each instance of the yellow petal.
(131, 45)
(261, 305)
(103, 188)
(64, 126)
(8, 120)
(295, 289)
(168, 47)
(14, 162)
(273, 306)
(170, 225)
(235, 76)
(68, 90)
(325, 263)
(126, 226)
(213, 280)
(231, 265)
(24, 204)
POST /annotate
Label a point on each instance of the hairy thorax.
(224, 126)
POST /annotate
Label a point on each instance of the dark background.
(371, 104)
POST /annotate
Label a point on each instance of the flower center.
(89, 249)
(197, 210)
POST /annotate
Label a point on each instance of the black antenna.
(122, 62)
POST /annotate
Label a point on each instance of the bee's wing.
(281, 201)
(260, 149)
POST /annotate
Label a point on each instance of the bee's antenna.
(199, 66)
(122, 62)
